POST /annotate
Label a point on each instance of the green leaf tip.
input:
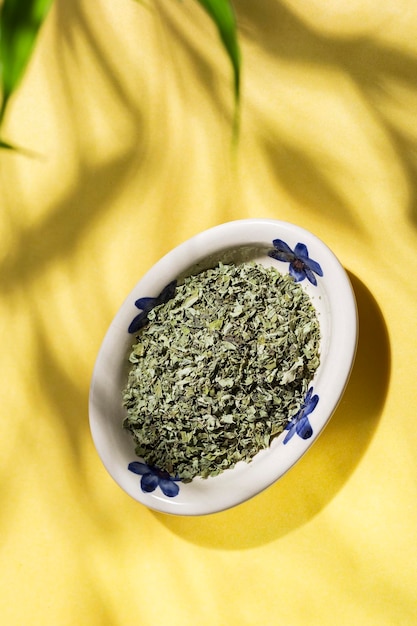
(20, 21)
(6, 145)
(223, 15)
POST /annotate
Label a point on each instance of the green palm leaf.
(20, 21)
(222, 13)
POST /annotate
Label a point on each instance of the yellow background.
(127, 108)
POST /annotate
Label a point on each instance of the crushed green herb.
(220, 369)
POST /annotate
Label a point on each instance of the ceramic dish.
(320, 274)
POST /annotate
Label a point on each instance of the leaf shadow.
(52, 242)
(63, 228)
(302, 177)
(406, 150)
(204, 72)
(97, 180)
(371, 64)
(71, 20)
(312, 484)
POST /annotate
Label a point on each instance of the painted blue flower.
(153, 477)
(147, 304)
(301, 266)
(300, 423)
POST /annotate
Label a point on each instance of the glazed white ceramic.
(236, 241)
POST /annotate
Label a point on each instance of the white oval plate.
(237, 241)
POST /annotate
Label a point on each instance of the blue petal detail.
(281, 251)
(138, 322)
(310, 276)
(138, 468)
(153, 477)
(300, 423)
(291, 431)
(297, 274)
(301, 250)
(303, 428)
(146, 304)
(301, 266)
(313, 266)
(169, 487)
(149, 482)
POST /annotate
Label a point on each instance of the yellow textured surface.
(127, 106)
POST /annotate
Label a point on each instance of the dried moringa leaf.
(220, 369)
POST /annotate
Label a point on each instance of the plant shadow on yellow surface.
(311, 485)
(177, 38)
(321, 474)
(89, 196)
(378, 70)
(300, 175)
(44, 257)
